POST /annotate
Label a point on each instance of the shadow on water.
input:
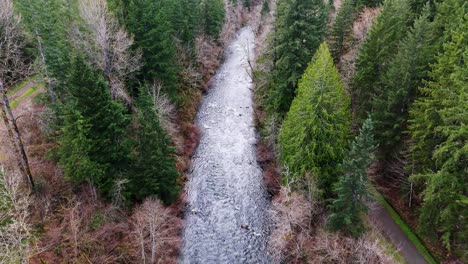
(227, 201)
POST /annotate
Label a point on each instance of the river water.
(226, 218)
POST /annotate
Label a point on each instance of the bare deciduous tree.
(152, 228)
(109, 46)
(75, 223)
(15, 230)
(12, 70)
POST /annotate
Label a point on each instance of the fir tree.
(212, 17)
(351, 189)
(313, 136)
(149, 22)
(439, 136)
(341, 29)
(265, 8)
(370, 3)
(92, 143)
(372, 62)
(48, 21)
(154, 170)
(406, 72)
(300, 27)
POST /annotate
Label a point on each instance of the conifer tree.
(300, 27)
(370, 3)
(351, 189)
(406, 72)
(154, 170)
(150, 23)
(92, 143)
(373, 59)
(265, 8)
(341, 29)
(438, 130)
(212, 17)
(48, 21)
(313, 136)
(185, 18)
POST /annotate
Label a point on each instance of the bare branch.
(108, 45)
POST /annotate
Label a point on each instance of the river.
(226, 218)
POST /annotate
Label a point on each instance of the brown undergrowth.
(299, 236)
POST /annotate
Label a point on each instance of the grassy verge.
(391, 250)
(406, 229)
(27, 93)
(22, 84)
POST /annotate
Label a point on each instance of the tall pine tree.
(154, 170)
(405, 74)
(92, 143)
(314, 133)
(351, 189)
(300, 27)
(49, 22)
(212, 17)
(439, 138)
(341, 29)
(376, 53)
(149, 22)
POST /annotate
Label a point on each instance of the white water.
(227, 201)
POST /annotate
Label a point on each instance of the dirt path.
(21, 91)
(382, 219)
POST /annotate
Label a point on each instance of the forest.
(359, 105)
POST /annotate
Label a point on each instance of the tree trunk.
(14, 130)
(49, 84)
(12, 139)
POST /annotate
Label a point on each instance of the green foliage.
(351, 189)
(48, 21)
(313, 136)
(149, 22)
(300, 27)
(379, 47)
(154, 170)
(92, 145)
(185, 19)
(341, 29)
(247, 4)
(212, 17)
(370, 3)
(439, 135)
(265, 8)
(405, 74)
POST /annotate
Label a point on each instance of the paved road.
(384, 221)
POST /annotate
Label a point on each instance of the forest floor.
(21, 102)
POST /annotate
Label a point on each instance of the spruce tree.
(92, 143)
(300, 27)
(212, 17)
(265, 8)
(351, 189)
(314, 133)
(439, 148)
(149, 22)
(154, 170)
(341, 29)
(185, 19)
(406, 73)
(376, 52)
(48, 22)
(370, 3)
